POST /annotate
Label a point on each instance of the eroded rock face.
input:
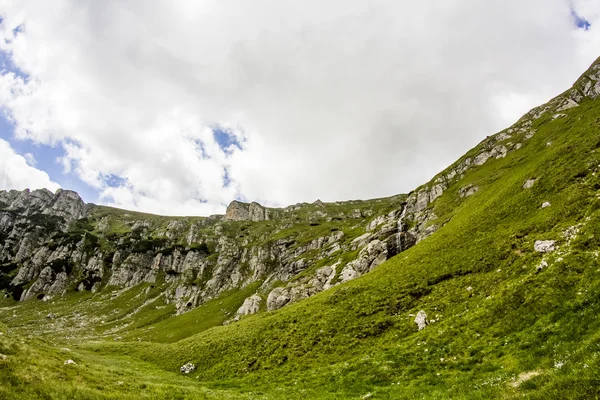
(63, 203)
(238, 211)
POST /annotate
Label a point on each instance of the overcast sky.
(179, 107)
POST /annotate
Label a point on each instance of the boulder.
(529, 183)
(544, 246)
(278, 298)
(251, 306)
(421, 320)
(187, 368)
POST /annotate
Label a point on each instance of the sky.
(179, 107)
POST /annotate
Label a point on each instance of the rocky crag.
(53, 243)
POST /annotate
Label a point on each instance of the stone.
(544, 246)
(541, 266)
(567, 104)
(468, 190)
(238, 211)
(546, 204)
(481, 158)
(529, 183)
(51, 316)
(361, 240)
(375, 223)
(278, 298)
(187, 368)
(421, 320)
(436, 191)
(70, 362)
(499, 152)
(251, 306)
(503, 136)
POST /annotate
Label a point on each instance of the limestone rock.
(66, 204)
(481, 158)
(187, 368)
(567, 104)
(369, 257)
(546, 204)
(529, 183)
(468, 190)
(544, 246)
(375, 223)
(278, 298)
(251, 306)
(361, 240)
(421, 320)
(238, 211)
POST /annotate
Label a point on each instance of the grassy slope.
(360, 338)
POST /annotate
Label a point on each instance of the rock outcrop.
(238, 211)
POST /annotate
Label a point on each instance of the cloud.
(16, 172)
(318, 100)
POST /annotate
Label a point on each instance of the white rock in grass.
(421, 320)
(528, 183)
(544, 246)
(70, 362)
(546, 204)
(542, 265)
(187, 368)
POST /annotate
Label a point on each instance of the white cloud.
(331, 100)
(16, 173)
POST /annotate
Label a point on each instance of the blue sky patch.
(225, 139)
(46, 158)
(579, 21)
(226, 178)
(114, 181)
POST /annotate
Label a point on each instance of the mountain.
(482, 283)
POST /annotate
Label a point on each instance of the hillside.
(482, 283)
